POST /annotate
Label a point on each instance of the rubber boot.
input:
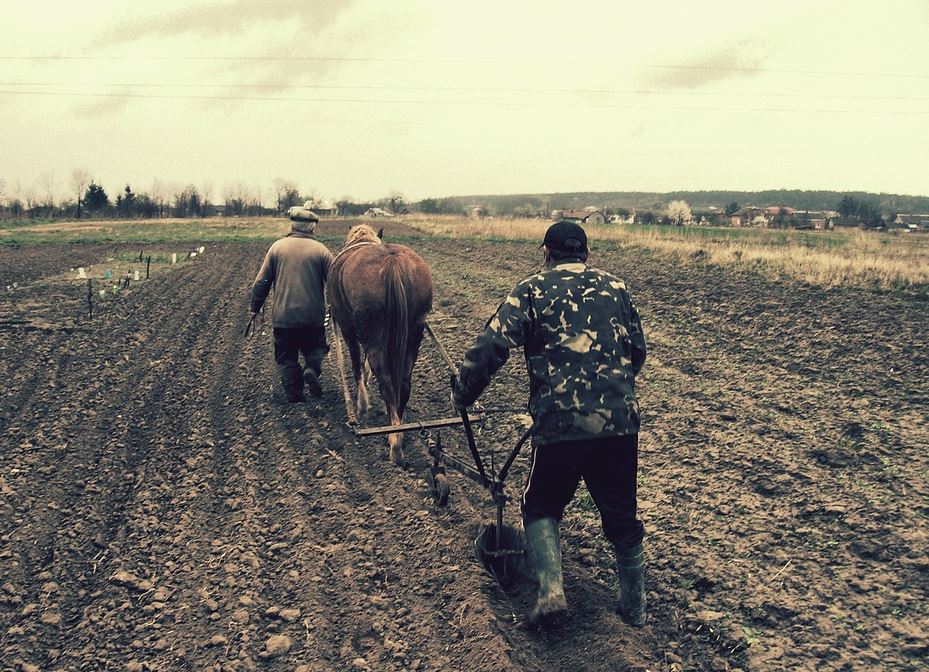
(311, 381)
(292, 381)
(630, 566)
(543, 545)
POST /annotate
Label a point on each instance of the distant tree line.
(867, 206)
(85, 197)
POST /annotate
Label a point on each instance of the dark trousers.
(289, 343)
(608, 467)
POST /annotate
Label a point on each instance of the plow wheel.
(438, 479)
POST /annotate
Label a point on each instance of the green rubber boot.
(543, 545)
(630, 566)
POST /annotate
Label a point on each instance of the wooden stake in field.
(148, 264)
(90, 298)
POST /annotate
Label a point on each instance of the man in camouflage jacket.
(584, 345)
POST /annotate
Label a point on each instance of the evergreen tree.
(96, 199)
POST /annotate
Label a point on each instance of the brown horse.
(379, 295)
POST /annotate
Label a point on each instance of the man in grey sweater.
(296, 266)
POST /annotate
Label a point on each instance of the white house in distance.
(912, 222)
(378, 212)
(323, 208)
(620, 219)
(589, 215)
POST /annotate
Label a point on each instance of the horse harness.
(354, 245)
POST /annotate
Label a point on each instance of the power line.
(469, 61)
(468, 103)
(474, 89)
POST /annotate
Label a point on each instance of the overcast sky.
(361, 98)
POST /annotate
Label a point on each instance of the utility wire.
(469, 61)
(473, 89)
(469, 103)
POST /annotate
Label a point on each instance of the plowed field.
(161, 508)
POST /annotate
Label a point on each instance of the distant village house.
(589, 215)
(322, 208)
(623, 219)
(377, 212)
(912, 223)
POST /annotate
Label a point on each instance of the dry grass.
(828, 258)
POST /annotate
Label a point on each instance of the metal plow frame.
(498, 547)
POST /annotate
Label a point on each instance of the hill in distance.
(504, 204)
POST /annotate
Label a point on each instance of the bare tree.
(206, 197)
(286, 194)
(187, 201)
(235, 197)
(32, 201)
(80, 178)
(159, 196)
(256, 200)
(396, 202)
(14, 202)
(47, 182)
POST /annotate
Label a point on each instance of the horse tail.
(397, 324)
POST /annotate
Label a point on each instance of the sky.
(362, 99)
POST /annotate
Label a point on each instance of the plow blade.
(501, 554)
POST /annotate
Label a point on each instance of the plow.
(498, 547)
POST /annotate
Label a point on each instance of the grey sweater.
(296, 266)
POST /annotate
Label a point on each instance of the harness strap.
(352, 246)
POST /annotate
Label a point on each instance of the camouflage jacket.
(583, 343)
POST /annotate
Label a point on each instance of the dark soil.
(162, 508)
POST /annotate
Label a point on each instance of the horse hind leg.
(367, 375)
(359, 362)
(363, 401)
(388, 396)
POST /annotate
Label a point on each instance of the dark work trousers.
(289, 342)
(608, 467)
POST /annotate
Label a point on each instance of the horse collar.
(353, 245)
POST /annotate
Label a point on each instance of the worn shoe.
(543, 545)
(630, 566)
(311, 380)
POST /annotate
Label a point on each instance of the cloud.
(226, 18)
(743, 60)
(254, 49)
(102, 107)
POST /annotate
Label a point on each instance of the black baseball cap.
(565, 236)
